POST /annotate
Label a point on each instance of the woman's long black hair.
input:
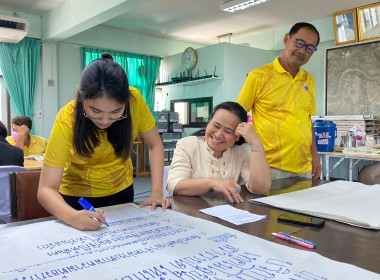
(232, 107)
(103, 77)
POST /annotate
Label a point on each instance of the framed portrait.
(369, 22)
(346, 27)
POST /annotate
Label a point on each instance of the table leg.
(322, 165)
(327, 161)
(352, 165)
(338, 163)
(136, 152)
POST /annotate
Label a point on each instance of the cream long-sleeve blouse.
(193, 158)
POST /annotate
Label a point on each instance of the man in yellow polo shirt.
(21, 137)
(282, 98)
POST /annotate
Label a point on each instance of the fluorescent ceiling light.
(237, 5)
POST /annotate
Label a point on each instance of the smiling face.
(293, 57)
(220, 131)
(103, 111)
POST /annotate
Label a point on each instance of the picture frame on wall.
(369, 22)
(352, 79)
(346, 27)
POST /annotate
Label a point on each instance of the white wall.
(238, 62)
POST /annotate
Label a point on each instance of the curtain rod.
(92, 47)
(85, 46)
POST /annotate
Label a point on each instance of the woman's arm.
(156, 161)
(52, 201)
(259, 175)
(194, 187)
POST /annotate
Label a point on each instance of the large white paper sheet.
(348, 202)
(159, 245)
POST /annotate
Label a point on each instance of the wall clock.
(189, 58)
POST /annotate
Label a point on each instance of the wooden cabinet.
(139, 154)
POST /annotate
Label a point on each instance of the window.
(194, 112)
(4, 104)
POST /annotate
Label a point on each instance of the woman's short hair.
(103, 77)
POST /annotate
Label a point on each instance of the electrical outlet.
(39, 114)
(50, 83)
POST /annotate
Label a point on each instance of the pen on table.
(297, 238)
(303, 244)
(86, 205)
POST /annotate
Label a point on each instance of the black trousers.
(124, 196)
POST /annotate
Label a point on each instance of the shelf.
(189, 83)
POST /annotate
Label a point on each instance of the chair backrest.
(12, 168)
(25, 205)
(164, 190)
(5, 187)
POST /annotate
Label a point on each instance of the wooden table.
(353, 160)
(337, 241)
(33, 164)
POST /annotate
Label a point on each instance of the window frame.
(191, 101)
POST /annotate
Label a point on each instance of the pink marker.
(303, 244)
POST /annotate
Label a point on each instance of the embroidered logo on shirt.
(306, 88)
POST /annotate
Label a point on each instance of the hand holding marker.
(86, 205)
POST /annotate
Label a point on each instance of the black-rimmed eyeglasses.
(301, 44)
(98, 116)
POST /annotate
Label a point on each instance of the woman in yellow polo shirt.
(88, 154)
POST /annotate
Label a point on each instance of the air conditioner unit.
(13, 29)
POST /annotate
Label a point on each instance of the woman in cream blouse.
(230, 149)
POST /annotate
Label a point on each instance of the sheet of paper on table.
(232, 215)
(35, 157)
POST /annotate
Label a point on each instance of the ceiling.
(201, 21)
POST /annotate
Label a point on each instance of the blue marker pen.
(86, 205)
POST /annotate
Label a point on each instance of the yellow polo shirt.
(104, 173)
(37, 145)
(281, 108)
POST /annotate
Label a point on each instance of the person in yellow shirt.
(21, 137)
(88, 154)
(281, 96)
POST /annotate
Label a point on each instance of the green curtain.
(142, 74)
(19, 63)
(142, 70)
